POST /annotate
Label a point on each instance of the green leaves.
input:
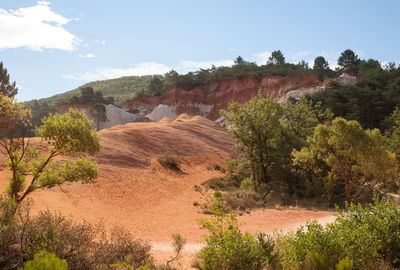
(356, 159)
(69, 133)
(81, 169)
(363, 237)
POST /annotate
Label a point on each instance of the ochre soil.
(134, 191)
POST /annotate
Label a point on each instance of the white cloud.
(186, 66)
(36, 27)
(300, 55)
(147, 68)
(89, 55)
(261, 57)
(231, 49)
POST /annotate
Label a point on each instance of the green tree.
(99, 113)
(256, 124)
(45, 261)
(348, 60)
(276, 58)
(321, 68)
(155, 88)
(6, 87)
(300, 119)
(392, 134)
(239, 61)
(344, 155)
(68, 134)
(87, 95)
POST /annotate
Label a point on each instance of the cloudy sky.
(50, 47)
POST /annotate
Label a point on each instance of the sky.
(50, 47)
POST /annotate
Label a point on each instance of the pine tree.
(6, 88)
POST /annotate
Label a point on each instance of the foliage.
(300, 119)
(88, 96)
(62, 134)
(371, 100)
(267, 133)
(155, 88)
(276, 58)
(392, 134)
(81, 245)
(347, 157)
(228, 248)
(169, 160)
(362, 237)
(348, 60)
(177, 244)
(321, 68)
(6, 87)
(99, 113)
(45, 261)
(256, 124)
(121, 89)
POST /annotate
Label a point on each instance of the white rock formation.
(162, 111)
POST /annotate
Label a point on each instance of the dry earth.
(152, 202)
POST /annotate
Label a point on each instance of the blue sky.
(50, 47)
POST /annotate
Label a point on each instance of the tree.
(256, 124)
(348, 60)
(239, 61)
(345, 156)
(155, 88)
(276, 58)
(87, 95)
(300, 119)
(6, 87)
(321, 68)
(68, 134)
(99, 112)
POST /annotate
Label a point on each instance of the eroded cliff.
(209, 99)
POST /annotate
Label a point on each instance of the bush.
(226, 183)
(169, 160)
(361, 236)
(45, 261)
(228, 248)
(243, 200)
(82, 245)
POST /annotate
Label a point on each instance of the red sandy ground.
(152, 202)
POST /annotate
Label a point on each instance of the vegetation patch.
(169, 160)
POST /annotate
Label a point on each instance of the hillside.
(122, 89)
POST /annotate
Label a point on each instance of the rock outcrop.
(115, 115)
(207, 100)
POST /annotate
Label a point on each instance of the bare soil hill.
(153, 202)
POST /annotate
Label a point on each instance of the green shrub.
(82, 245)
(218, 168)
(226, 183)
(45, 261)
(228, 248)
(243, 200)
(169, 160)
(365, 235)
